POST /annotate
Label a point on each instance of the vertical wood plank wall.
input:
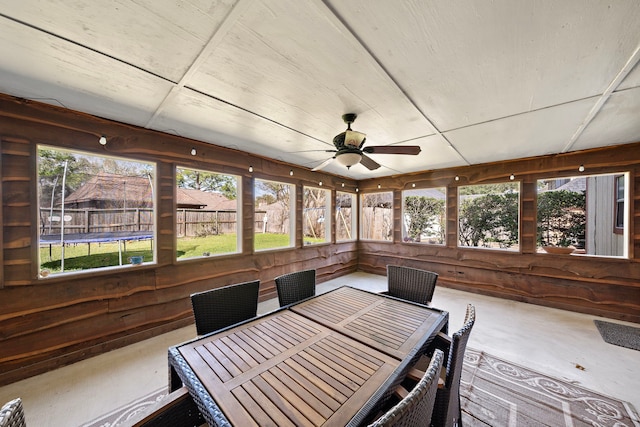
(48, 323)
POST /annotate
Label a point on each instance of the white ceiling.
(469, 82)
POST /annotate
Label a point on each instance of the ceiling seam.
(225, 26)
(207, 95)
(75, 43)
(390, 76)
(617, 80)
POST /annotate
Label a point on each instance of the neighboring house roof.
(108, 187)
(576, 185)
(188, 197)
(137, 191)
(185, 201)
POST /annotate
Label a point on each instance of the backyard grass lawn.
(77, 256)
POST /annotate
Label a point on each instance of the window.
(618, 226)
(274, 215)
(489, 216)
(345, 216)
(207, 213)
(424, 215)
(578, 212)
(316, 217)
(94, 211)
(376, 216)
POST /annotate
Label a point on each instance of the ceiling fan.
(349, 148)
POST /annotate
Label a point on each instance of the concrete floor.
(558, 343)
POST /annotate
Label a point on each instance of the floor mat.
(620, 335)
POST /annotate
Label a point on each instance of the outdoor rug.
(620, 335)
(127, 412)
(494, 393)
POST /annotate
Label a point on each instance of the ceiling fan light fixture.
(349, 159)
(353, 138)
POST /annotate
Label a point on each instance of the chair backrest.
(417, 406)
(411, 284)
(296, 286)
(12, 414)
(447, 408)
(221, 307)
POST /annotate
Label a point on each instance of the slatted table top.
(327, 361)
(286, 370)
(392, 326)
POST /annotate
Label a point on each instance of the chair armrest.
(416, 374)
(442, 339)
(178, 408)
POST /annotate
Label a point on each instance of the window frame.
(291, 212)
(442, 220)
(517, 247)
(353, 224)
(619, 204)
(362, 216)
(326, 215)
(600, 237)
(238, 210)
(43, 272)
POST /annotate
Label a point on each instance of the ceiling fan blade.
(369, 163)
(323, 164)
(393, 149)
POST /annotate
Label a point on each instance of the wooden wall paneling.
(26, 324)
(1, 219)
(165, 213)
(85, 330)
(248, 215)
(332, 212)
(298, 233)
(17, 213)
(19, 369)
(452, 216)
(397, 216)
(602, 286)
(528, 217)
(89, 313)
(634, 233)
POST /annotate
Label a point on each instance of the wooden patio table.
(309, 364)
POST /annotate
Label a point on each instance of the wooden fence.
(189, 222)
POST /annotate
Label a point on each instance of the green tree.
(275, 192)
(424, 215)
(51, 170)
(561, 217)
(207, 181)
(489, 219)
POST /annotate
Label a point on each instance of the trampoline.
(98, 237)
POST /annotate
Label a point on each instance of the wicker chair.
(221, 307)
(411, 284)
(416, 405)
(12, 414)
(293, 287)
(447, 411)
